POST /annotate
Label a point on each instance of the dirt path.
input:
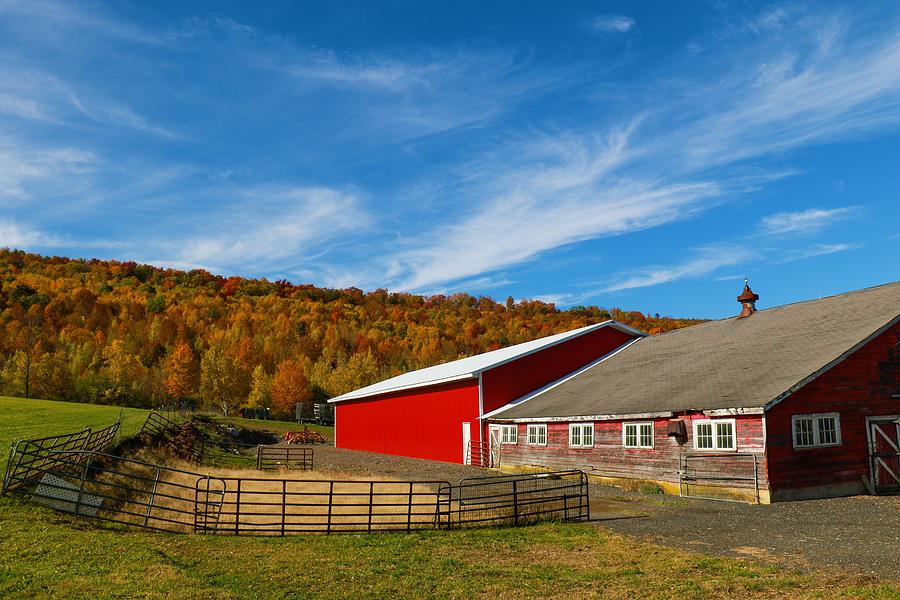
(859, 534)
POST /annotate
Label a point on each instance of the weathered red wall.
(421, 423)
(609, 458)
(859, 387)
(529, 373)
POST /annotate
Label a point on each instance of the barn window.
(811, 431)
(581, 435)
(714, 435)
(537, 435)
(509, 434)
(637, 435)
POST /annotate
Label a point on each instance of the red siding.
(860, 386)
(529, 373)
(421, 423)
(609, 457)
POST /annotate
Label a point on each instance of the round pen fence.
(162, 498)
(72, 473)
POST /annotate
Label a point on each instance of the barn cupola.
(748, 301)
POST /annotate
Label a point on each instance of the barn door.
(884, 453)
(495, 446)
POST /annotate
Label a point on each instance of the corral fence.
(161, 498)
(270, 457)
(719, 476)
(29, 459)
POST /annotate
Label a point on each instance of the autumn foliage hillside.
(135, 335)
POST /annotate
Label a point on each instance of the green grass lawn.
(45, 554)
(49, 555)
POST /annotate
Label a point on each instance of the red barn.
(436, 412)
(792, 402)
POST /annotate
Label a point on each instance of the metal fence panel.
(269, 457)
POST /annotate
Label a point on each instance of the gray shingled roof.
(732, 363)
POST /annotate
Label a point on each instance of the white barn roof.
(473, 366)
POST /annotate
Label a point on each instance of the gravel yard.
(859, 534)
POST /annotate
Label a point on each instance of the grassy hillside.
(29, 418)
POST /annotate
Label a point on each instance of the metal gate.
(884, 453)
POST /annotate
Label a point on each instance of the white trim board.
(658, 415)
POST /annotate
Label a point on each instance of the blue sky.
(634, 154)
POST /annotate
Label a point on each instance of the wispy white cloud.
(44, 169)
(774, 17)
(271, 228)
(705, 261)
(14, 235)
(816, 250)
(611, 24)
(580, 186)
(73, 19)
(805, 222)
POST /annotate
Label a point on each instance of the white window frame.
(715, 435)
(509, 434)
(537, 429)
(581, 428)
(638, 425)
(817, 442)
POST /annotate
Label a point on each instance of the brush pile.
(304, 437)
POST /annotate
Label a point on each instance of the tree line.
(136, 335)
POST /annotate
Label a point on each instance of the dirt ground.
(858, 534)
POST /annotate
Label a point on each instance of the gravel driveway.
(859, 534)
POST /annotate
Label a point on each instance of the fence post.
(152, 498)
(283, 503)
(87, 465)
(586, 495)
(258, 455)
(237, 509)
(409, 508)
(371, 494)
(515, 503)
(330, 505)
(755, 477)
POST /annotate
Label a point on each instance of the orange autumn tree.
(179, 373)
(290, 386)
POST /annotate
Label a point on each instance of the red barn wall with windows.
(529, 373)
(421, 423)
(861, 386)
(609, 458)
